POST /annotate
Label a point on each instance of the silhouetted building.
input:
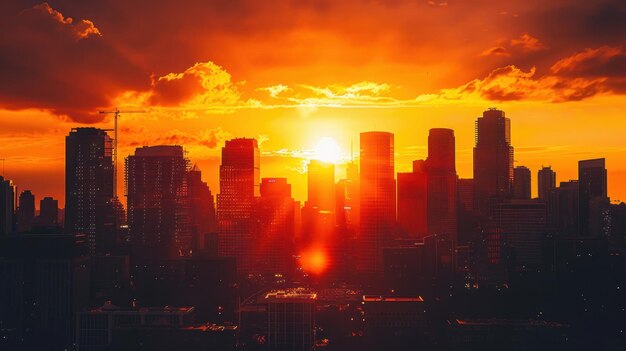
(441, 183)
(493, 160)
(201, 208)
(291, 320)
(546, 182)
(274, 237)
(562, 205)
(163, 337)
(48, 212)
(352, 199)
(413, 201)
(156, 191)
(592, 184)
(89, 186)
(26, 211)
(7, 206)
(378, 199)
(239, 185)
(521, 183)
(465, 193)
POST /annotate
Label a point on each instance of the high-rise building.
(89, 186)
(7, 206)
(562, 206)
(592, 184)
(201, 207)
(546, 182)
(321, 185)
(26, 211)
(493, 160)
(48, 212)
(441, 183)
(274, 237)
(413, 201)
(352, 197)
(521, 183)
(465, 194)
(378, 199)
(291, 320)
(239, 185)
(156, 192)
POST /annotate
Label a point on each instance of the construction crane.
(116, 114)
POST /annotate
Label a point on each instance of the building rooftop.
(291, 294)
(378, 298)
(108, 307)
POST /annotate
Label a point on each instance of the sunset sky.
(291, 73)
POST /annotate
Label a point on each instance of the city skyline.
(544, 79)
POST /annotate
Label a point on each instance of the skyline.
(337, 79)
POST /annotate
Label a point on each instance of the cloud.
(528, 43)
(207, 138)
(496, 51)
(54, 63)
(605, 61)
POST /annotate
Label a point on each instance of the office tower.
(89, 186)
(274, 237)
(465, 194)
(521, 183)
(291, 320)
(562, 205)
(156, 191)
(468, 224)
(493, 160)
(7, 206)
(378, 199)
(26, 211)
(48, 212)
(441, 184)
(201, 207)
(546, 182)
(523, 226)
(239, 185)
(592, 184)
(321, 185)
(412, 201)
(352, 197)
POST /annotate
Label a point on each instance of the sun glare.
(314, 261)
(327, 150)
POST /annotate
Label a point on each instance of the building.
(89, 186)
(521, 183)
(26, 211)
(291, 320)
(493, 160)
(95, 327)
(48, 212)
(156, 193)
(562, 207)
(239, 185)
(275, 234)
(465, 194)
(592, 184)
(378, 199)
(441, 183)
(7, 206)
(202, 219)
(523, 227)
(546, 182)
(413, 201)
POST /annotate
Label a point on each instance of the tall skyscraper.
(441, 180)
(239, 185)
(26, 211)
(521, 183)
(352, 197)
(201, 207)
(413, 201)
(546, 182)
(89, 186)
(156, 191)
(378, 199)
(563, 206)
(274, 237)
(7, 206)
(592, 186)
(48, 212)
(493, 160)
(321, 185)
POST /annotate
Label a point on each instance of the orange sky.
(290, 73)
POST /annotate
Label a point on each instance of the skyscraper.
(48, 212)
(7, 206)
(89, 186)
(156, 190)
(493, 160)
(412, 201)
(592, 186)
(26, 211)
(239, 185)
(441, 180)
(378, 199)
(546, 182)
(521, 183)
(201, 207)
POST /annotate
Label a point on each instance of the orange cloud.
(495, 51)
(528, 43)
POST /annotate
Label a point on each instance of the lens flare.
(314, 261)
(327, 150)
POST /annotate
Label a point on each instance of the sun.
(327, 150)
